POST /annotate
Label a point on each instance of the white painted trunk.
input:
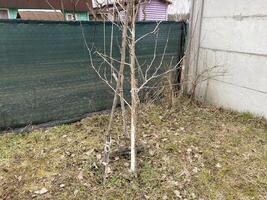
(133, 150)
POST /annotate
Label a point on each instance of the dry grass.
(192, 152)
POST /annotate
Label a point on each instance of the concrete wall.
(179, 7)
(231, 35)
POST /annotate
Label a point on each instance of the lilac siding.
(156, 10)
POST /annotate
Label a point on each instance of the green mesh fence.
(46, 74)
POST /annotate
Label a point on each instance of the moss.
(247, 116)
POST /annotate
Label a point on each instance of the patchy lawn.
(192, 152)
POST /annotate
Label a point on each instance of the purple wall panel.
(155, 11)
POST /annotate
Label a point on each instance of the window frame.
(74, 17)
(7, 10)
(69, 17)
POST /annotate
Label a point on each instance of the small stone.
(62, 185)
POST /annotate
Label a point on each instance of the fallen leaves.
(183, 153)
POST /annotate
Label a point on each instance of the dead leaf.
(17, 177)
(108, 170)
(218, 165)
(182, 129)
(189, 150)
(164, 139)
(193, 195)
(117, 158)
(177, 193)
(88, 153)
(41, 191)
(80, 176)
(173, 183)
(151, 152)
(195, 170)
(165, 197)
(98, 156)
(76, 192)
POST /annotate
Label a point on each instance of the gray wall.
(231, 35)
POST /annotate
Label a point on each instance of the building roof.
(111, 3)
(40, 15)
(80, 5)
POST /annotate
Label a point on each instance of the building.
(149, 10)
(46, 10)
(179, 10)
(231, 35)
(154, 10)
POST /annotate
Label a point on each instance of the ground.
(191, 152)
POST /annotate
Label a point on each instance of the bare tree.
(148, 73)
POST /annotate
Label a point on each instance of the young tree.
(148, 72)
(134, 91)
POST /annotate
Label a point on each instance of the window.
(3, 14)
(69, 17)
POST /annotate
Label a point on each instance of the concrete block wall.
(231, 35)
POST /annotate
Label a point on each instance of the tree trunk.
(119, 85)
(134, 94)
(118, 91)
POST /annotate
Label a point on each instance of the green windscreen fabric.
(46, 73)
